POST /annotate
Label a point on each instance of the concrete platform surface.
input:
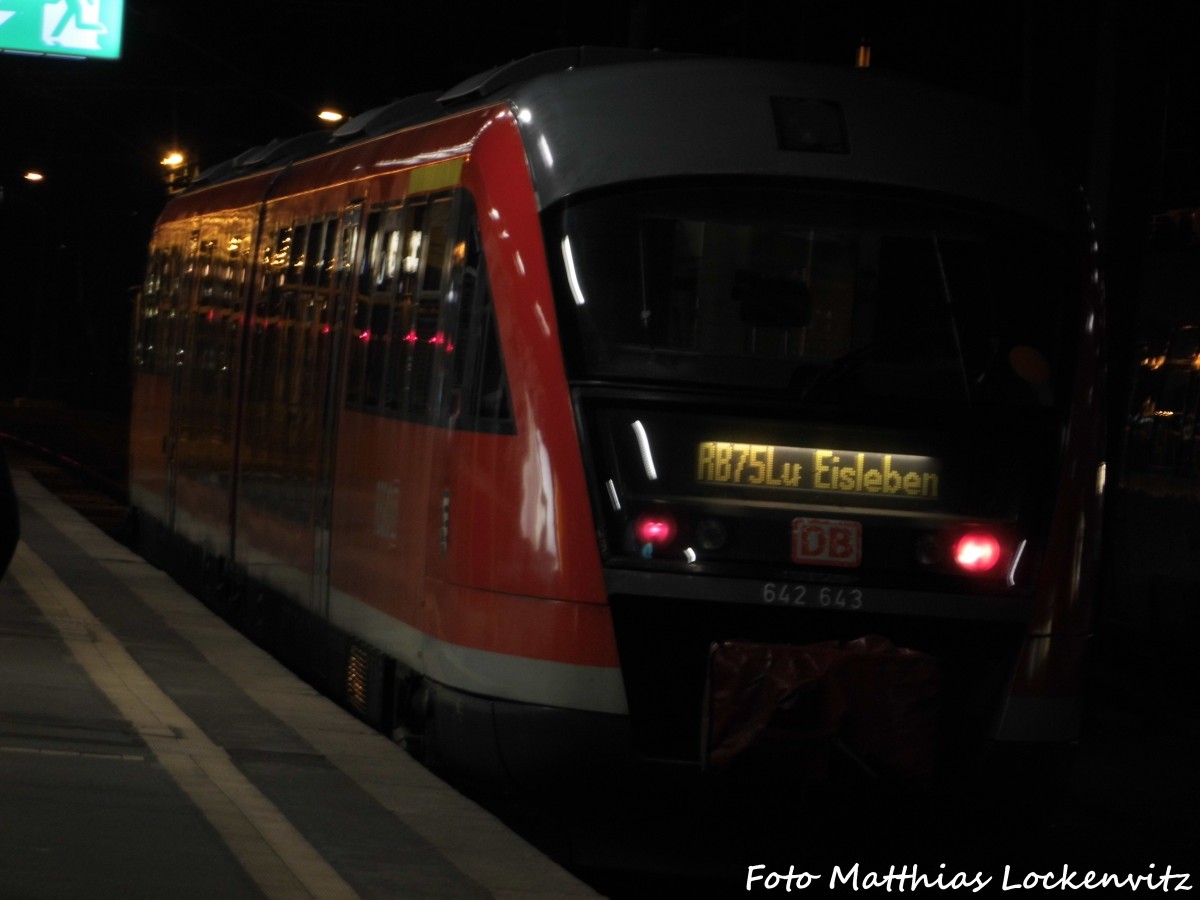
(148, 750)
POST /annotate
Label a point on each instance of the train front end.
(834, 359)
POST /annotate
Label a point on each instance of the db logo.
(826, 542)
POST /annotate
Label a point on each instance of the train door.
(150, 470)
(333, 365)
(470, 392)
(287, 345)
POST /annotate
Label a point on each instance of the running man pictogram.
(73, 23)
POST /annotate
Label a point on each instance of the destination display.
(818, 469)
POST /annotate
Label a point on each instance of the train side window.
(487, 392)
(428, 256)
(267, 310)
(380, 345)
(360, 335)
(327, 253)
(479, 387)
(296, 247)
(207, 272)
(275, 274)
(149, 307)
(347, 255)
(165, 327)
(206, 381)
(310, 314)
(168, 303)
(235, 267)
(204, 332)
(317, 253)
(424, 339)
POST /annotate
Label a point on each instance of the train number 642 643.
(784, 593)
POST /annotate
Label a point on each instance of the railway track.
(81, 487)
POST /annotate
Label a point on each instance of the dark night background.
(1111, 86)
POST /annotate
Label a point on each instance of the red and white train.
(710, 411)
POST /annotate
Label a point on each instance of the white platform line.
(470, 839)
(274, 854)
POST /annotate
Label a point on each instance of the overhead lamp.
(330, 115)
(178, 171)
(862, 59)
(34, 176)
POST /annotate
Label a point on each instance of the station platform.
(149, 750)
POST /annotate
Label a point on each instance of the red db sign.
(826, 542)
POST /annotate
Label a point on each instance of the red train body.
(517, 414)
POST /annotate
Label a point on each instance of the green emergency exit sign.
(78, 28)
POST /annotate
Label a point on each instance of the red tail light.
(654, 528)
(977, 552)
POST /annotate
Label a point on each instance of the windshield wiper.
(946, 299)
(843, 365)
(850, 362)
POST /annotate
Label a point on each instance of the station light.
(330, 115)
(178, 171)
(862, 59)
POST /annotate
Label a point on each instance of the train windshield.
(818, 296)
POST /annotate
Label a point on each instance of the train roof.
(593, 117)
